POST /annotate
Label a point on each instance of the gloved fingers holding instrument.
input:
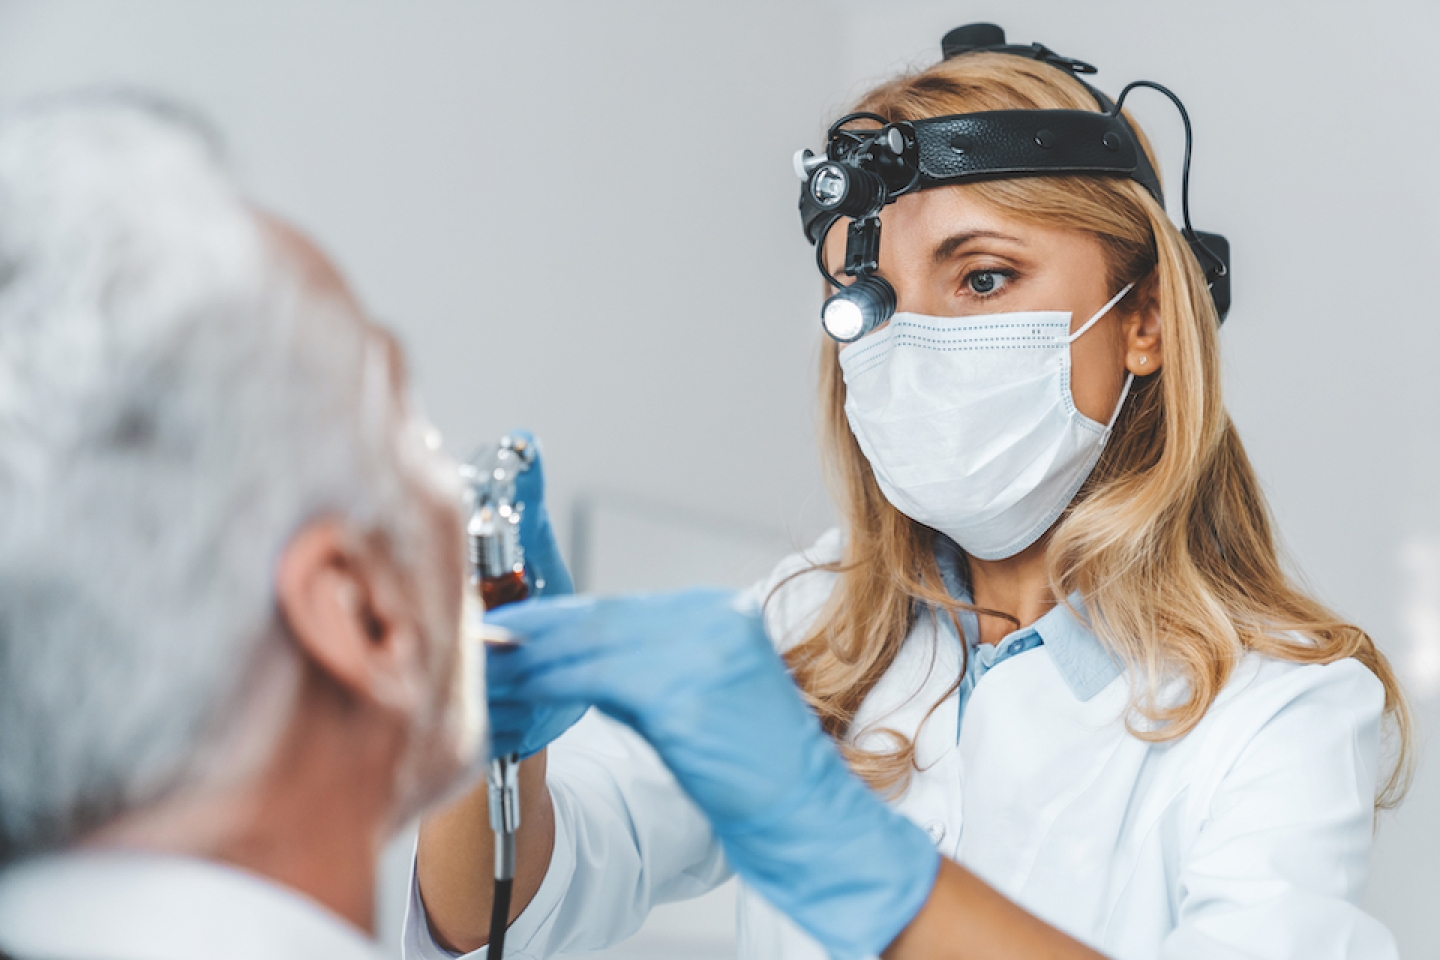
(525, 727)
(544, 566)
(697, 677)
(512, 554)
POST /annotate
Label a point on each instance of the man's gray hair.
(175, 402)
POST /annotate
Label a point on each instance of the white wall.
(580, 217)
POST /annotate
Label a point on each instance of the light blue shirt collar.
(1077, 653)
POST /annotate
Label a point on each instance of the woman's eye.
(986, 282)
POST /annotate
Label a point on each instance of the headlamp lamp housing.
(870, 161)
(841, 190)
(858, 309)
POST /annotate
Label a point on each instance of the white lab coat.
(1249, 837)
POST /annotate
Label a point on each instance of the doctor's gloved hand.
(549, 577)
(522, 726)
(698, 678)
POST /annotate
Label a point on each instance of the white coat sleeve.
(626, 836)
(626, 839)
(1278, 863)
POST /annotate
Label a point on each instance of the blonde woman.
(1052, 634)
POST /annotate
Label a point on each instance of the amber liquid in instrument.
(506, 588)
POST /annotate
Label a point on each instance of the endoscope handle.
(497, 575)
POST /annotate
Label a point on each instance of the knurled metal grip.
(494, 525)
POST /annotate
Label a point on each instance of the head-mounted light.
(846, 191)
(858, 308)
(870, 161)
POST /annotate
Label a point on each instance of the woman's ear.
(344, 606)
(1140, 328)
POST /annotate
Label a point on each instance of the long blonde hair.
(1170, 539)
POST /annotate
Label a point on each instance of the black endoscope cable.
(1190, 235)
(503, 788)
(499, 918)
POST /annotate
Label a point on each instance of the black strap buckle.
(990, 38)
(1049, 56)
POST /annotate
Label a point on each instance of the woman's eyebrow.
(946, 248)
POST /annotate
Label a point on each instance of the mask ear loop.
(1120, 404)
(1129, 377)
(1096, 319)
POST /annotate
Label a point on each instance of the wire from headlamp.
(839, 125)
(820, 255)
(869, 300)
(895, 142)
(1220, 269)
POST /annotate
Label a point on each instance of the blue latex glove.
(544, 566)
(699, 680)
(525, 726)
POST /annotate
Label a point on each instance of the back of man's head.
(177, 398)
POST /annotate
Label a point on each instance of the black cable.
(1185, 170)
(499, 919)
(835, 127)
(820, 255)
(914, 182)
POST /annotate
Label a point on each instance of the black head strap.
(1010, 143)
(990, 38)
(870, 161)
(965, 147)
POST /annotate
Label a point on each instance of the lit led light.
(858, 309)
(843, 320)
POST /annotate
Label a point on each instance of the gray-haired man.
(230, 562)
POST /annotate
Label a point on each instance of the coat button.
(936, 829)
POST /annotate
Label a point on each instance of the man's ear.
(1140, 327)
(343, 603)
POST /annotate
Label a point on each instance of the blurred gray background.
(579, 216)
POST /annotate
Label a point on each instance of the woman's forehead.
(943, 219)
(948, 208)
